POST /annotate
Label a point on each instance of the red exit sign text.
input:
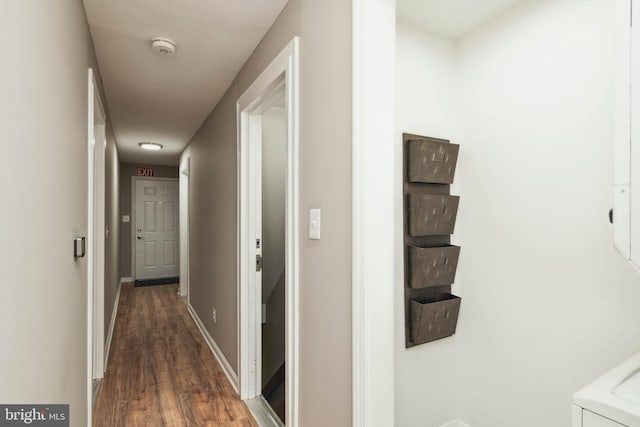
(146, 172)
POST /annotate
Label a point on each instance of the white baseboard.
(455, 423)
(222, 360)
(264, 415)
(126, 279)
(112, 326)
(182, 289)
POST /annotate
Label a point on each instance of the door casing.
(95, 244)
(185, 171)
(283, 70)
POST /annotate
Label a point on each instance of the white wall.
(548, 305)
(274, 169)
(425, 79)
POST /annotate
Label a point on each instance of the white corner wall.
(548, 305)
(425, 79)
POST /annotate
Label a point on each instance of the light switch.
(126, 218)
(314, 224)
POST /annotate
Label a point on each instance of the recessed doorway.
(268, 242)
(155, 239)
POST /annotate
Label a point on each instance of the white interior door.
(156, 233)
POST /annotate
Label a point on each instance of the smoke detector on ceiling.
(163, 46)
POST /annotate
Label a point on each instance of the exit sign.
(146, 172)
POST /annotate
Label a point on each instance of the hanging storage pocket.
(432, 266)
(431, 215)
(433, 319)
(432, 162)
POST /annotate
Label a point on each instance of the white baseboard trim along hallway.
(112, 325)
(126, 280)
(222, 360)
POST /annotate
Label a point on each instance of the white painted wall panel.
(548, 305)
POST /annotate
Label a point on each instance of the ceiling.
(165, 99)
(452, 18)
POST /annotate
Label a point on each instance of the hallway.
(160, 371)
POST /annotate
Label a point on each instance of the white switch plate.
(126, 218)
(314, 224)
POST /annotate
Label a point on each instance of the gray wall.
(128, 170)
(325, 182)
(43, 317)
(274, 181)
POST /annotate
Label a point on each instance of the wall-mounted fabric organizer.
(431, 311)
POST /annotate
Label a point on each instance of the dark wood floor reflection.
(161, 371)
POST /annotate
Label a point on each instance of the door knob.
(140, 238)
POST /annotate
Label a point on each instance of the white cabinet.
(589, 419)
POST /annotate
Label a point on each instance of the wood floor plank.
(161, 371)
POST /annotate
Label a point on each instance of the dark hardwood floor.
(161, 371)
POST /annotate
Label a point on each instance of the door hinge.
(258, 262)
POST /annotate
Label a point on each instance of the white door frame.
(96, 137)
(249, 303)
(133, 216)
(624, 91)
(185, 171)
(374, 178)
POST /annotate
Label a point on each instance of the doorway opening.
(268, 242)
(155, 241)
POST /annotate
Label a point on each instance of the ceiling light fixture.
(162, 46)
(150, 146)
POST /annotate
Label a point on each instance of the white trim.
(248, 105)
(373, 215)
(126, 280)
(95, 242)
(217, 352)
(622, 137)
(184, 184)
(112, 326)
(88, 244)
(134, 178)
(263, 414)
